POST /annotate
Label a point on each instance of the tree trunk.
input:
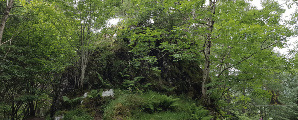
(84, 44)
(53, 106)
(4, 18)
(13, 111)
(57, 92)
(207, 50)
(84, 61)
(31, 109)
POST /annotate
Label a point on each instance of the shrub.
(164, 115)
(77, 114)
(199, 113)
(153, 106)
(153, 102)
(122, 107)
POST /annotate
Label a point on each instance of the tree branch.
(16, 34)
(7, 41)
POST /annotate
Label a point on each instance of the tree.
(287, 110)
(92, 15)
(234, 38)
(242, 48)
(4, 18)
(35, 56)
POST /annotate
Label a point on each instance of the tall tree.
(92, 15)
(235, 39)
(207, 51)
(243, 58)
(35, 55)
(4, 18)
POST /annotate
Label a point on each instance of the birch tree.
(5, 16)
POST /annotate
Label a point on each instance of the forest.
(163, 60)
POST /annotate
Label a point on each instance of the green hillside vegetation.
(163, 60)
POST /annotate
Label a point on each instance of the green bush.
(153, 102)
(199, 113)
(164, 115)
(153, 106)
(122, 107)
(77, 114)
(72, 102)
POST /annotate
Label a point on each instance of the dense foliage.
(164, 59)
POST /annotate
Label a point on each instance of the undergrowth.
(153, 106)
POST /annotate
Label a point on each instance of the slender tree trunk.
(5, 17)
(31, 109)
(207, 53)
(85, 28)
(83, 61)
(83, 66)
(57, 92)
(54, 106)
(13, 111)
